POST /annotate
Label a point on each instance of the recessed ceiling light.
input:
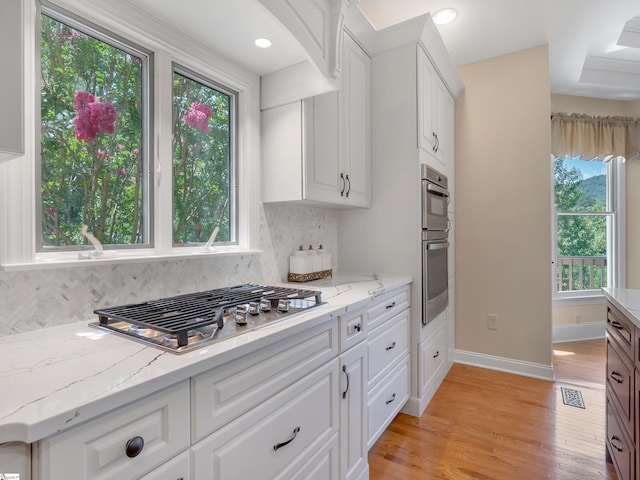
(263, 42)
(444, 16)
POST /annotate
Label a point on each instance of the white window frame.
(616, 271)
(18, 232)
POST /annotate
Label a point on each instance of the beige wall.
(503, 207)
(595, 106)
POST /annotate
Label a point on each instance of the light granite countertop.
(626, 300)
(58, 377)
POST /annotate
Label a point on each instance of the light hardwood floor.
(488, 425)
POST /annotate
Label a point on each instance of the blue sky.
(589, 168)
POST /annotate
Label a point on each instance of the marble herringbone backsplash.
(33, 299)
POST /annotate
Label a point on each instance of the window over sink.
(148, 139)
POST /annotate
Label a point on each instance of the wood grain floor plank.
(488, 425)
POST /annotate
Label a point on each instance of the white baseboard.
(509, 365)
(577, 332)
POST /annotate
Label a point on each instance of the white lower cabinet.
(307, 407)
(15, 457)
(387, 399)
(353, 413)
(178, 468)
(433, 358)
(387, 360)
(124, 444)
(277, 438)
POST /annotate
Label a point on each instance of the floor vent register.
(572, 397)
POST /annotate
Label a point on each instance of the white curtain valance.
(594, 138)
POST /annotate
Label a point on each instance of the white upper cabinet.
(435, 111)
(318, 151)
(11, 93)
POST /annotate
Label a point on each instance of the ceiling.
(584, 57)
(579, 33)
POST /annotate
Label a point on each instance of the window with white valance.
(588, 154)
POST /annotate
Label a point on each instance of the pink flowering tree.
(91, 139)
(201, 162)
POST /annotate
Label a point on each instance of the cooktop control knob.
(283, 305)
(254, 308)
(241, 315)
(265, 305)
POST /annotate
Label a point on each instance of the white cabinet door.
(175, 469)
(433, 358)
(356, 118)
(353, 413)
(11, 93)
(386, 400)
(435, 112)
(278, 437)
(123, 444)
(15, 458)
(426, 103)
(445, 110)
(323, 166)
(318, 150)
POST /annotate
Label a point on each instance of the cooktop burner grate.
(180, 316)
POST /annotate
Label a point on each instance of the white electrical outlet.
(492, 321)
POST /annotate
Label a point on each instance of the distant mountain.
(594, 189)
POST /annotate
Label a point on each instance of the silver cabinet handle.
(393, 397)
(278, 446)
(349, 187)
(390, 347)
(435, 138)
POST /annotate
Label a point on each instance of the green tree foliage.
(92, 169)
(579, 235)
(94, 182)
(201, 161)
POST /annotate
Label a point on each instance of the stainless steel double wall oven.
(435, 243)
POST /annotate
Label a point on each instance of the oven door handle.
(437, 246)
(433, 188)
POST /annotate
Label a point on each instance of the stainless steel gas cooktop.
(186, 322)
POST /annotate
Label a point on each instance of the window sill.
(115, 257)
(593, 297)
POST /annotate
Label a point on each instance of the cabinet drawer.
(433, 355)
(620, 384)
(388, 343)
(620, 447)
(352, 329)
(175, 469)
(386, 306)
(97, 449)
(323, 465)
(225, 393)
(621, 329)
(276, 438)
(386, 400)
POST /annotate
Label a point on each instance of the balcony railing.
(581, 273)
